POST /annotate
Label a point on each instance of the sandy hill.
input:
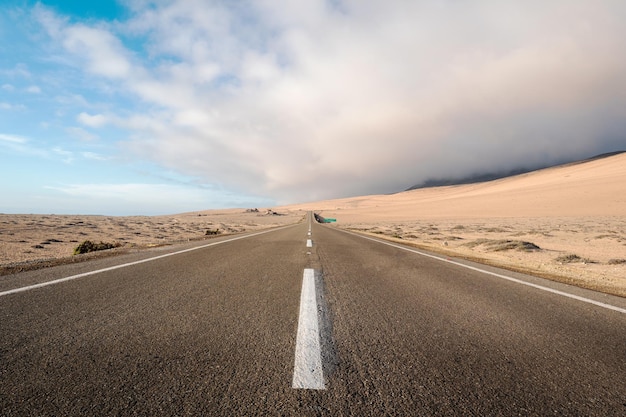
(496, 175)
(566, 223)
(592, 188)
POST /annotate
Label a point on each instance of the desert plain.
(566, 223)
(32, 241)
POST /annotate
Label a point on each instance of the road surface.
(220, 328)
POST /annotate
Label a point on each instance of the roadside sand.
(565, 223)
(29, 241)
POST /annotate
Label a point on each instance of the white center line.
(309, 243)
(307, 370)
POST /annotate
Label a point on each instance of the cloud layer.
(316, 99)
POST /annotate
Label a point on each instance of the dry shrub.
(571, 258)
(520, 245)
(89, 246)
(504, 245)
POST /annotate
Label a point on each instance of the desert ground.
(29, 241)
(565, 223)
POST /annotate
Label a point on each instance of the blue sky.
(156, 107)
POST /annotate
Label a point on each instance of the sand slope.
(595, 188)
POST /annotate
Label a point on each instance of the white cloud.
(8, 87)
(33, 89)
(96, 120)
(13, 138)
(133, 192)
(81, 134)
(134, 198)
(101, 52)
(94, 156)
(73, 99)
(9, 106)
(21, 145)
(322, 99)
(20, 70)
(66, 156)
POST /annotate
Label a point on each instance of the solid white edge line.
(85, 274)
(518, 281)
(307, 370)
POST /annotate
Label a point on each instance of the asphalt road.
(212, 331)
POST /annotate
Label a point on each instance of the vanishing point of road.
(305, 320)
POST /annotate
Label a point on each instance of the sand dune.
(574, 214)
(596, 188)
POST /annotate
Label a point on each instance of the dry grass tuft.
(572, 258)
(89, 246)
(504, 245)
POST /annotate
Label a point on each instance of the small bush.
(504, 245)
(617, 261)
(211, 232)
(572, 258)
(568, 259)
(89, 246)
(514, 244)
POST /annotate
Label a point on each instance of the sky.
(144, 107)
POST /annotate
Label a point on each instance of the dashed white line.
(307, 370)
(309, 243)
